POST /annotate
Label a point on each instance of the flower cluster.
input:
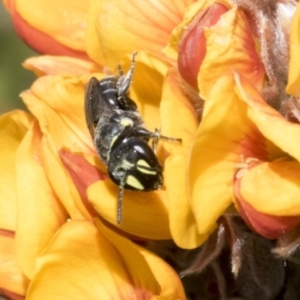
(209, 72)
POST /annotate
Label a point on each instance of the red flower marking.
(82, 173)
(192, 48)
(268, 226)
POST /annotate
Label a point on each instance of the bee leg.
(155, 139)
(124, 81)
(121, 73)
(169, 139)
(156, 136)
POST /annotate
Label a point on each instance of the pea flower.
(46, 198)
(208, 72)
(216, 38)
(100, 263)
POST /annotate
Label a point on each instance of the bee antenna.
(119, 204)
(124, 81)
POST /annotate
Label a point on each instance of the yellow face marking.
(126, 165)
(132, 181)
(126, 122)
(144, 167)
(142, 163)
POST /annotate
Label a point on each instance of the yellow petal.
(82, 263)
(61, 181)
(40, 214)
(60, 65)
(224, 138)
(273, 188)
(11, 276)
(57, 102)
(147, 84)
(266, 225)
(270, 123)
(230, 46)
(41, 39)
(170, 286)
(65, 21)
(294, 70)
(116, 27)
(174, 107)
(13, 127)
(145, 214)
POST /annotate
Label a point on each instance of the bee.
(120, 136)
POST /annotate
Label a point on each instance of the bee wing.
(92, 104)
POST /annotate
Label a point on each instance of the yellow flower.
(50, 189)
(13, 127)
(244, 159)
(243, 152)
(98, 263)
(279, 169)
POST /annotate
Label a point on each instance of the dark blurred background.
(13, 77)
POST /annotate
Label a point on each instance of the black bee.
(120, 136)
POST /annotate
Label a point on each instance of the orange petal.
(175, 106)
(224, 139)
(117, 28)
(13, 127)
(40, 213)
(39, 36)
(294, 70)
(60, 65)
(230, 46)
(114, 267)
(12, 279)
